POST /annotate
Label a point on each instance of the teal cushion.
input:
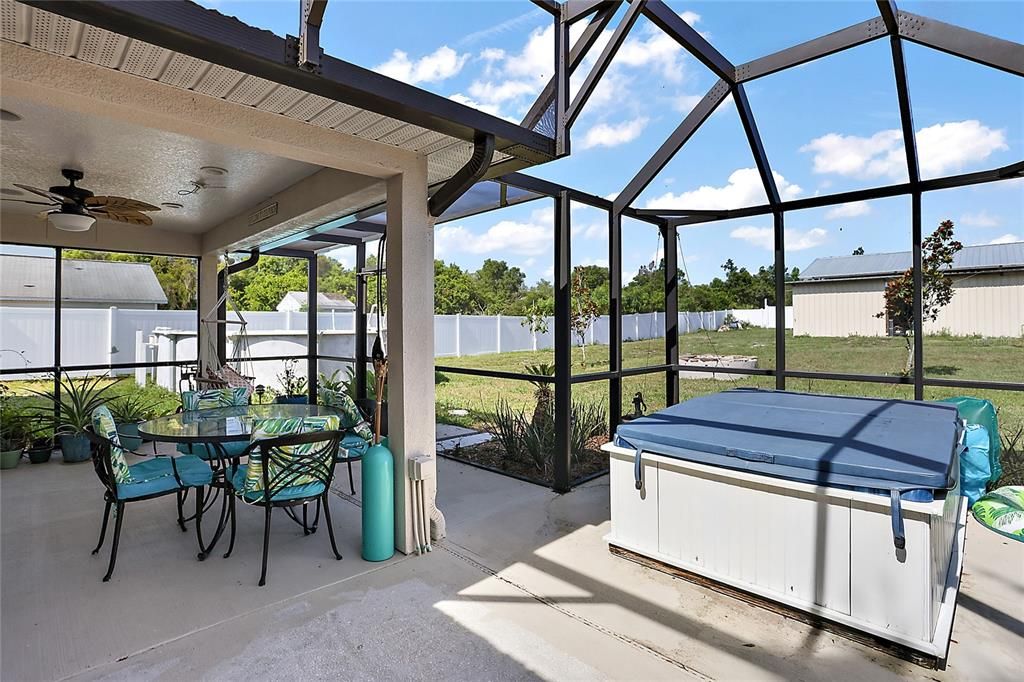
(352, 447)
(293, 492)
(156, 475)
(206, 451)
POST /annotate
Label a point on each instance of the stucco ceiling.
(137, 162)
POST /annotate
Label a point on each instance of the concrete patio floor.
(523, 588)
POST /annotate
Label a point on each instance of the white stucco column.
(207, 300)
(410, 337)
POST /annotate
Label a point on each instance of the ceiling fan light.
(71, 222)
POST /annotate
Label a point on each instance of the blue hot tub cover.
(887, 445)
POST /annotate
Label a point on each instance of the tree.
(584, 310)
(454, 290)
(937, 252)
(859, 251)
(500, 287)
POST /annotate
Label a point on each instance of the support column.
(360, 342)
(918, 284)
(671, 315)
(312, 322)
(208, 295)
(614, 319)
(780, 300)
(563, 345)
(410, 345)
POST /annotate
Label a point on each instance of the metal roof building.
(842, 296)
(969, 259)
(28, 281)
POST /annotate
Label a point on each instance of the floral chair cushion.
(103, 424)
(213, 398)
(262, 429)
(352, 418)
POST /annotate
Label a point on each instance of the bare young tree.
(937, 252)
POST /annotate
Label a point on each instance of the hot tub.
(845, 508)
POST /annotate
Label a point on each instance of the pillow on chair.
(352, 419)
(263, 429)
(213, 398)
(103, 424)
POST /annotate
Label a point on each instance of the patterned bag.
(262, 429)
(213, 398)
(103, 424)
(353, 418)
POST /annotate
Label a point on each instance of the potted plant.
(75, 402)
(293, 386)
(129, 411)
(14, 430)
(40, 445)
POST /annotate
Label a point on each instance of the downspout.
(465, 177)
(222, 307)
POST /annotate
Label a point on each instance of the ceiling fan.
(75, 209)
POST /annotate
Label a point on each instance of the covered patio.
(523, 587)
(256, 145)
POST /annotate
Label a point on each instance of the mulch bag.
(983, 413)
(975, 464)
(1002, 510)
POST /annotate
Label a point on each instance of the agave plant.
(131, 408)
(75, 400)
(543, 393)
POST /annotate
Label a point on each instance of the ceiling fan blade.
(43, 193)
(120, 203)
(26, 201)
(125, 216)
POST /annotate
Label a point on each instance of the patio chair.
(192, 401)
(290, 464)
(156, 477)
(358, 434)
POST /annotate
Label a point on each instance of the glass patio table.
(215, 427)
(222, 424)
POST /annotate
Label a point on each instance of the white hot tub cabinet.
(826, 551)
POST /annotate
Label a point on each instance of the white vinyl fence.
(102, 336)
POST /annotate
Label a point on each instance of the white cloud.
(941, 148)
(980, 219)
(764, 237)
(850, 210)
(1008, 238)
(605, 135)
(439, 65)
(510, 237)
(743, 189)
(492, 109)
(503, 91)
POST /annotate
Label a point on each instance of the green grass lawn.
(945, 357)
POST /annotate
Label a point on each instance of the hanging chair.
(213, 374)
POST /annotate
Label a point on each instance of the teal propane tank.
(378, 475)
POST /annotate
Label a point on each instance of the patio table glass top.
(222, 424)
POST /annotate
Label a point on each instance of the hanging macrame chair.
(238, 372)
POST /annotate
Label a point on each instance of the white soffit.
(55, 34)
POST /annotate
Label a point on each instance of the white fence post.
(458, 335)
(140, 356)
(498, 320)
(111, 331)
(636, 326)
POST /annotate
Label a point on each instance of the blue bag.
(975, 465)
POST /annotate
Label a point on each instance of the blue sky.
(828, 126)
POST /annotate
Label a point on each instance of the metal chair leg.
(181, 513)
(351, 482)
(330, 526)
(199, 521)
(119, 512)
(266, 544)
(305, 521)
(231, 511)
(103, 528)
